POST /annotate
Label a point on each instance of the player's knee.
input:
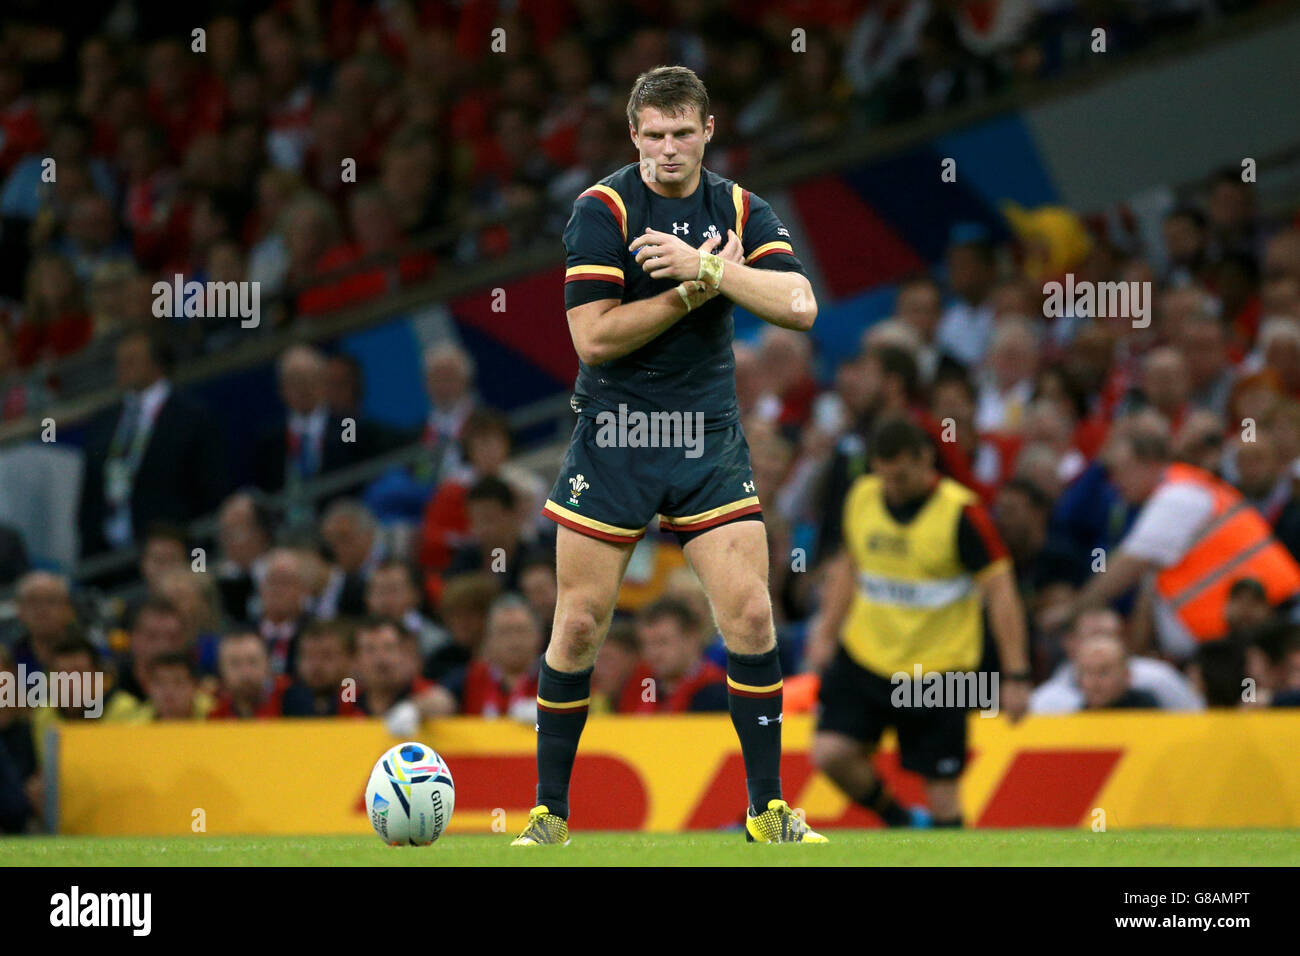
(576, 638)
(750, 626)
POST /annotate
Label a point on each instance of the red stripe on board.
(1049, 788)
(855, 249)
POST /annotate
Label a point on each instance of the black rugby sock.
(754, 699)
(562, 701)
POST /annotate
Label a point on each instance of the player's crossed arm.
(604, 330)
(784, 299)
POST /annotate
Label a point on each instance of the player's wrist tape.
(693, 294)
(710, 269)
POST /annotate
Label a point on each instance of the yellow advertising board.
(667, 773)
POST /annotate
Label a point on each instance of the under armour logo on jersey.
(782, 231)
(764, 720)
(748, 486)
(686, 227)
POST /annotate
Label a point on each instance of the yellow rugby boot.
(544, 827)
(779, 824)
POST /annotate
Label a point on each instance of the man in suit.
(154, 457)
(282, 594)
(310, 440)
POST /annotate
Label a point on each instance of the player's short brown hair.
(672, 90)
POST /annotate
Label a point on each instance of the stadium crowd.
(429, 591)
(225, 164)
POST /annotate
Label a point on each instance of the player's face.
(671, 148)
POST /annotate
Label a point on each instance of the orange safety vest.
(1237, 543)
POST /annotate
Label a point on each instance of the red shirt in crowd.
(485, 694)
(271, 705)
(632, 699)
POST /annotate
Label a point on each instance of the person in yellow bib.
(901, 630)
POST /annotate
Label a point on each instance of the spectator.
(1184, 523)
(1232, 219)
(670, 636)
(321, 687)
(1247, 609)
(620, 656)
(1165, 381)
(919, 306)
(1219, 673)
(464, 610)
(388, 668)
(1186, 240)
(502, 681)
(244, 536)
(1203, 344)
(282, 598)
(308, 441)
(785, 362)
(55, 321)
(393, 594)
(1104, 676)
(80, 690)
(354, 542)
(402, 495)
(19, 395)
(967, 323)
(154, 457)
(487, 445)
(1020, 514)
(164, 550)
(249, 689)
(538, 586)
(45, 617)
(1008, 385)
(1064, 692)
(496, 543)
(157, 628)
(21, 791)
(174, 692)
(194, 595)
(1287, 683)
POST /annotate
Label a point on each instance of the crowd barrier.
(670, 773)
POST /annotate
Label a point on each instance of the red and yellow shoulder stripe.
(594, 272)
(740, 199)
(610, 197)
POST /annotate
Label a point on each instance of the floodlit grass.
(847, 848)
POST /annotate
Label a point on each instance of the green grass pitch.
(847, 848)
